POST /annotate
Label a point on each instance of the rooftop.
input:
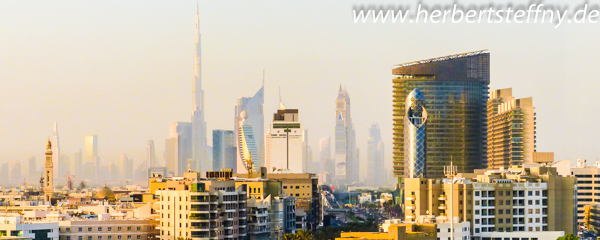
(449, 57)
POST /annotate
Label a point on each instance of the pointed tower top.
(48, 144)
(340, 87)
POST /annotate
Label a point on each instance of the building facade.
(346, 154)
(224, 150)
(249, 130)
(284, 149)
(456, 87)
(178, 148)
(511, 129)
(415, 139)
(515, 200)
(375, 157)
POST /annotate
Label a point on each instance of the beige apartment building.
(512, 200)
(511, 129)
(108, 229)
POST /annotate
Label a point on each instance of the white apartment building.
(588, 183)
(209, 209)
(16, 226)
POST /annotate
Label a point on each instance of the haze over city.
(124, 70)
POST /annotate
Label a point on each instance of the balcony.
(410, 207)
(443, 198)
(442, 206)
(410, 198)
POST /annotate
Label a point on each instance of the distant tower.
(151, 155)
(346, 154)
(48, 181)
(202, 162)
(249, 121)
(375, 169)
(415, 147)
(56, 149)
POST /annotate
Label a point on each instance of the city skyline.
(94, 112)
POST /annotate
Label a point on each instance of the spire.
(340, 87)
(263, 82)
(281, 106)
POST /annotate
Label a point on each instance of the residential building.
(207, 209)
(106, 227)
(456, 87)
(442, 224)
(16, 226)
(588, 184)
(511, 129)
(415, 139)
(224, 150)
(375, 160)
(284, 147)
(249, 131)
(514, 200)
(346, 154)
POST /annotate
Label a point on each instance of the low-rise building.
(396, 232)
(16, 226)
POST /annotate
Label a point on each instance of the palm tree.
(304, 235)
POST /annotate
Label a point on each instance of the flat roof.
(454, 56)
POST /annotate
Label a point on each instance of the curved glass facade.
(414, 127)
(457, 90)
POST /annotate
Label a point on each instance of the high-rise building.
(33, 174)
(346, 153)
(150, 155)
(284, 138)
(327, 163)
(510, 130)
(201, 160)
(249, 130)
(518, 199)
(375, 161)
(4, 170)
(126, 167)
(415, 138)
(56, 158)
(588, 178)
(15, 173)
(78, 164)
(178, 148)
(224, 150)
(115, 171)
(90, 153)
(456, 87)
(307, 155)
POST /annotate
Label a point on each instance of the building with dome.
(105, 193)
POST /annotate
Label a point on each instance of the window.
(139, 237)
(89, 237)
(537, 211)
(99, 229)
(119, 229)
(477, 194)
(109, 237)
(67, 229)
(507, 193)
(109, 229)
(89, 229)
(118, 237)
(129, 228)
(68, 238)
(128, 236)
(81, 229)
(139, 228)
(99, 237)
(529, 193)
(80, 238)
(500, 211)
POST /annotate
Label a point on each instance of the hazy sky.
(124, 69)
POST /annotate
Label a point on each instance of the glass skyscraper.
(457, 89)
(415, 135)
(249, 121)
(224, 150)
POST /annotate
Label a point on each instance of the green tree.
(568, 237)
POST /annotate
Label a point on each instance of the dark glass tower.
(457, 89)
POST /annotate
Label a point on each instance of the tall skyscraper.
(15, 173)
(126, 167)
(115, 171)
(249, 130)
(511, 129)
(201, 159)
(78, 164)
(284, 150)
(64, 165)
(327, 163)
(415, 139)
(150, 155)
(375, 169)
(346, 154)
(307, 154)
(178, 148)
(32, 173)
(456, 87)
(91, 165)
(56, 156)
(224, 150)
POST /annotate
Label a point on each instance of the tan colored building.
(511, 129)
(397, 232)
(108, 229)
(517, 199)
